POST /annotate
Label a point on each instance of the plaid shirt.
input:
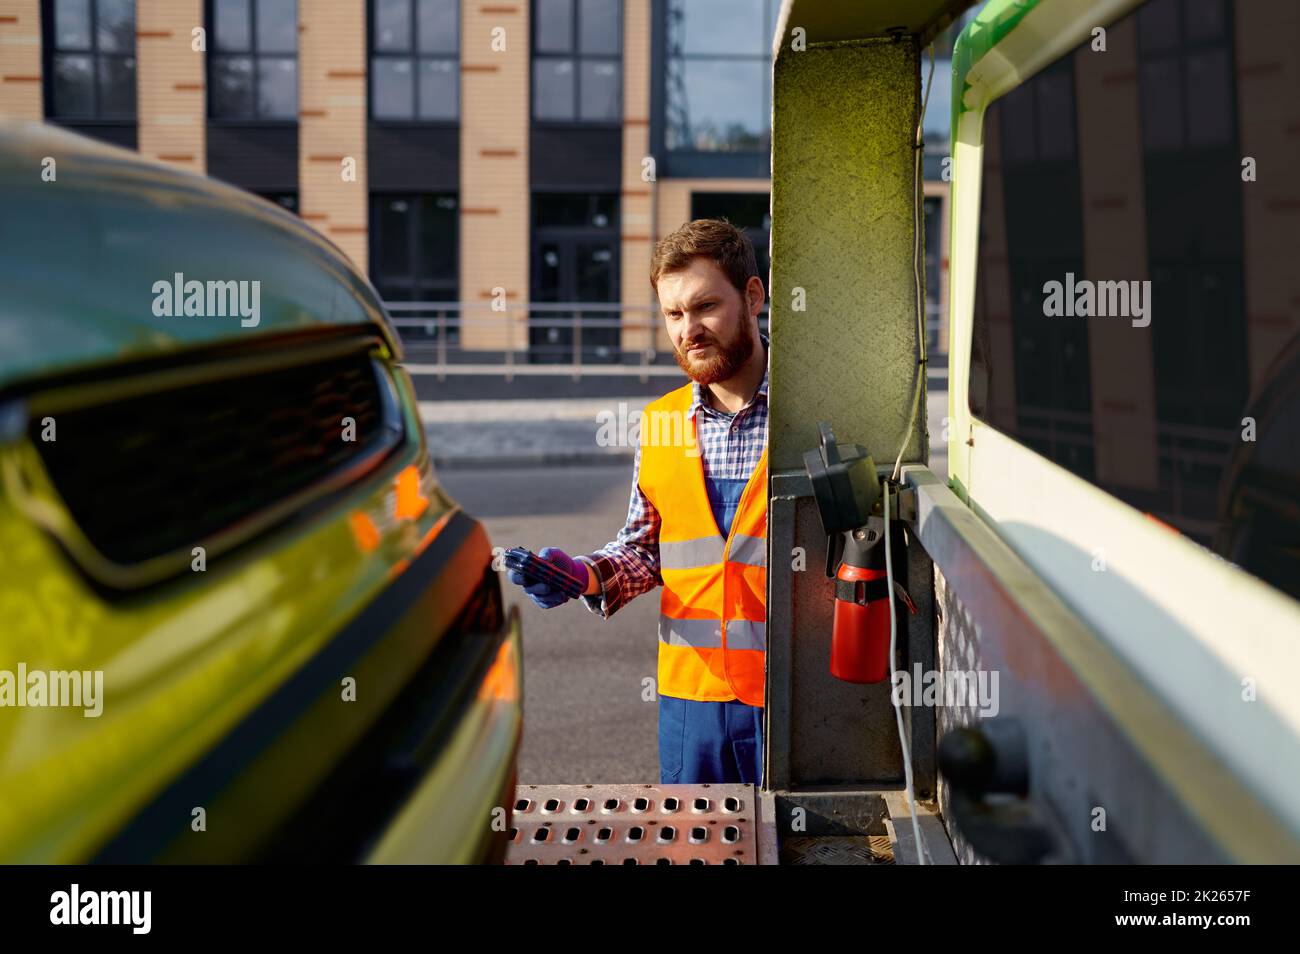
(730, 447)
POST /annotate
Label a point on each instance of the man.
(697, 523)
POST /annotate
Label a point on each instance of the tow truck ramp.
(637, 824)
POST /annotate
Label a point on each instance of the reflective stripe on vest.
(706, 551)
(707, 578)
(749, 550)
(689, 554)
(707, 633)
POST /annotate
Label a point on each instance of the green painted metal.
(843, 190)
(987, 30)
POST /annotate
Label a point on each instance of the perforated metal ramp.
(634, 825)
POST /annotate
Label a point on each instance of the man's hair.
(714, 239)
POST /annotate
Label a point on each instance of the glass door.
(575, 261)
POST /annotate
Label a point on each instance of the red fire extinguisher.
(847, 490)
(860, 636)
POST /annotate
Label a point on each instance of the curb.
(539, 459)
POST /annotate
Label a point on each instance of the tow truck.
(1124, 729)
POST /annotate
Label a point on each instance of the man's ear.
(754, 290)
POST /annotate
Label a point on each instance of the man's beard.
(728, 358)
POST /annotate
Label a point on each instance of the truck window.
(1135, 315)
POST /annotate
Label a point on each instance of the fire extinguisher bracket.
(862, 592)
(844, 482)
(902, 504)
(846, 488)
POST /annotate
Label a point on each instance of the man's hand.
(546, 596)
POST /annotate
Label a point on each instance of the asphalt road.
(584, 716)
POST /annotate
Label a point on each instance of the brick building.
(458, 151)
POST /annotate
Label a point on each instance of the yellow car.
(240, 619)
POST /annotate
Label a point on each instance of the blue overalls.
(712, 741)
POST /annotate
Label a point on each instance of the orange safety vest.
(713, 610)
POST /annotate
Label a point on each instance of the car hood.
(91, 235)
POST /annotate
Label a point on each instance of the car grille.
(164, 471)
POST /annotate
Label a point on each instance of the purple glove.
(547, 596)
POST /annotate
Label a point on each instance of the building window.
(577, 61)
(1186, 76)
(413, 246)
(748, 211)
(414, 60)
(1196, 253)
(938, 106)
(718, 75)
(285, 200)
(90, 52)
(253, 61)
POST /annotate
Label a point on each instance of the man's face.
(713, 328)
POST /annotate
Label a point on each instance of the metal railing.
(536, 338)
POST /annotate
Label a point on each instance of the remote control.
(537, 570)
